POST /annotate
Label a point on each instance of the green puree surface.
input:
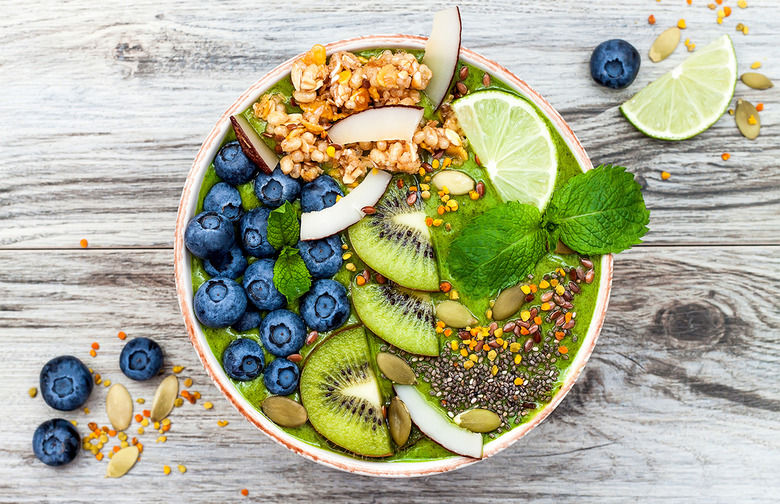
(419, 447)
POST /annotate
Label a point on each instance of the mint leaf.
(291, 277)
(498, 248)
(598, 212)
(284, 228)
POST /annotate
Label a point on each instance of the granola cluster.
(327, 91)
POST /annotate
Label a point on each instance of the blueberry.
(248, 321)
(320, 193)
(231, 265)
(281, 377)
(614, 64)
(274, 189)
(282, 332)
(253, 230)
(65, 383)
(56, 442)
(232, 165)
(141, 359)
(225, 199)
(260, 288)
(322, 257)
(220, 302)
(209, 234)
(325, 306)
(243, 359)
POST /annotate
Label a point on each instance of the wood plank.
(673, 406)
(105, 106)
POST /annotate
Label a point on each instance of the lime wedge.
(690, 98)
(513, 143)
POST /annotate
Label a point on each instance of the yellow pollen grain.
(752, 119)
(330, 151)
(526, 289)
(435, 163)
(162, 439)
(350, 267)
(464, 352)
(468, 364)
(208, 405)
(498, 333)
(559, 289)
(518, 381)
(454, 345)
(756, 64)
(178, 369)
(665, 175)
(742, 4)
(454, 295)
(188, 382)
(494, 370)
(33, 391)
(140, 400)
(346, 256)
(182, 469)
(166, 469)
(525, 315)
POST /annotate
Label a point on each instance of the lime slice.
(513, 143)
(690, 98)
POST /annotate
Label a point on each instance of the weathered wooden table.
(103, 108)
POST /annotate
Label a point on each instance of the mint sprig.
(598, 212)
(505, 239)
(601, 211)
(291, 277)
(284, 228)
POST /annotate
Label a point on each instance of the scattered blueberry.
(248, 321)
(65, 383)
(209, 234)
(282, 332)
(56, 442)
(614, 64)
(322, 257)
(232, 165)
(325, 306)
(320, 193)
(225, 199)
(231, 265)
(281, 377)
(253, 229)
(141, 359)
(260, 288)
(219, 302)
(274, 189)
(243, 359)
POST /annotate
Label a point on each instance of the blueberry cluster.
(233, 243)
(66, 384)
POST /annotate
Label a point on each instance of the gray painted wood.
(103, 109)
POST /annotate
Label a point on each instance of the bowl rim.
(182, 265)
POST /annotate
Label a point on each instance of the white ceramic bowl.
(213, 367)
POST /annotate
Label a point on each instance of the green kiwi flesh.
(399, 316)
(341, 394)
(396, 242)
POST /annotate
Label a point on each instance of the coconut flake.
(348, 210)
(441, 53)
(437, 426)
(253, 146)
(391, 122)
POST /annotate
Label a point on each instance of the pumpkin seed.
(162, 404)
(399, 421)
(478, 420)
(284, 411)
(746, 110)
(756, 80)
(562, 248)
(665, 44)
(454, 314)
(121, 462)
(119, 407)
(508, 302)
(455, 181)
(395, 368)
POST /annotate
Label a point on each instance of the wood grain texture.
(673, 405)
(104, 107)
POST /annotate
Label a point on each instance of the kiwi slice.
(396, 242)
(341, 395)
(401, 317)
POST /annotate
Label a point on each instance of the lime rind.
(690, 98)
(513, 142)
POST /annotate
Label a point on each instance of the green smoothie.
(419, 447)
